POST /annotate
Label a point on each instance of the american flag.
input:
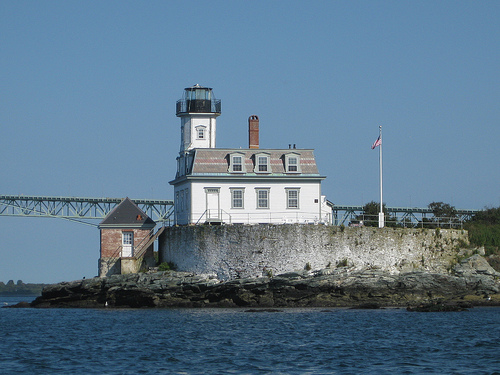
(378, 142)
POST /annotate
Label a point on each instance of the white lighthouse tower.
(198, 110)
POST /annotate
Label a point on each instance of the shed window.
(127, 238)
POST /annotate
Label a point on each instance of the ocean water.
(235, 341)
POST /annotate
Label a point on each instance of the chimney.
(253, 131)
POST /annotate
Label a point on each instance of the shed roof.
(127, 214)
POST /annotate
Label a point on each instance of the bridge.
(81, 210)
(342, 215)
(86, 210)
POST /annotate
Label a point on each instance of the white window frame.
(201, 129)
(267, 165)
(290, 198)
(128, 238)
(260, 198)
(232, 163)
(288, 165)
(234, 198)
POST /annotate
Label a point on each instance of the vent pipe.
(253, 131)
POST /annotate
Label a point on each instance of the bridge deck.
(79, 209)
(83, 209)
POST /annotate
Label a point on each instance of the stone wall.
(234, 251)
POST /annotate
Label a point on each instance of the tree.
(370, 215)
(484, 230)
(489, 216)
(444, 215)
(442, 210)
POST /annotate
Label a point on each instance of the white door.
(127, 244)
(213, 204)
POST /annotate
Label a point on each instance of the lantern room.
(198, 99)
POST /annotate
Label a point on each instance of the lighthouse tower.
(198, 110)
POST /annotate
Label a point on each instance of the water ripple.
(215, 341)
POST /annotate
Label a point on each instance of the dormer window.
(292, 163)
(237, 163)
(262, 163)
(200, 132)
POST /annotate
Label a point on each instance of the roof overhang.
(246, 178)
(126, 226)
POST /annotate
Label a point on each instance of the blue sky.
(88, 92)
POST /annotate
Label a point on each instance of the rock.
(343, 287)
(475, 265)
(367, 306)
(20, 305)
(436, 307)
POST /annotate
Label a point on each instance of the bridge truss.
(86, 210)
(343, 215)
(82, 210)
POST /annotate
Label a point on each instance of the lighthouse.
(198, 110)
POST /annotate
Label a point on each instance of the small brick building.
(127, 240)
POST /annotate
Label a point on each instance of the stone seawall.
(235, 251)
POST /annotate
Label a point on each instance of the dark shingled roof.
(127, 214)
(216, 161)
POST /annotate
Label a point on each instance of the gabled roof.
(216, 161)
(127, 215)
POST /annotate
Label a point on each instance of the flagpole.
(381, 213)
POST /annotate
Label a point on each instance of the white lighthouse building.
(240, 186)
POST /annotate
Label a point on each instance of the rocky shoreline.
(472, 282)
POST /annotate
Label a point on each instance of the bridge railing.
(344, 215)
(432, 223)
(79, 209)
(84, 210)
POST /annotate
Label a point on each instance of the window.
(292, 163)
(262, 164)
(186, 200)
(237, 163)
(262, 198)
(200, 132)
(292, 198)
(237, 198)
(128, 238)
(127, 244)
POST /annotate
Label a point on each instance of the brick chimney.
(253, 131)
